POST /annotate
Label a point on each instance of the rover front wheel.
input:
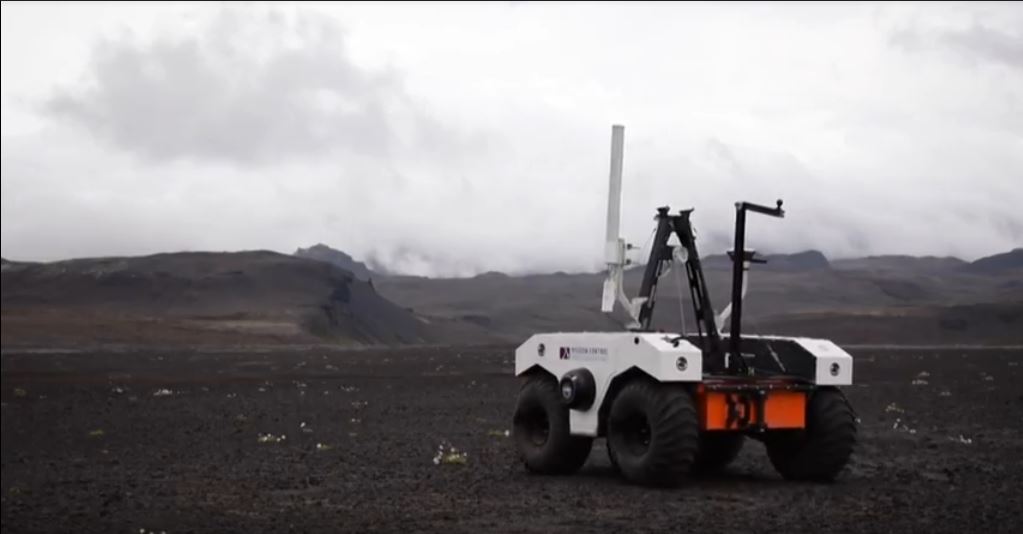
(652, 433)
(541, 430)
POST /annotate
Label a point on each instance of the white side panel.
(606, 355)
(834, 365)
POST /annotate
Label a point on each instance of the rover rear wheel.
(652, 433)
(541, 430)
(716, 450)
(821, 450)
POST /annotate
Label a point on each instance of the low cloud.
(979, 43)
(246, 88)
(988, 44)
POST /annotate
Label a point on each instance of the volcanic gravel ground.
(171, 441)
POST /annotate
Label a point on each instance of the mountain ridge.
(266, 296)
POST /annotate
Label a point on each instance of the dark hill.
(1007, 261)
(808, 260)
(202, 296)
(901, 264)
(322, 252)
(992, 323)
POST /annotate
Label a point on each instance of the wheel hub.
(636, 434)
(536, 426)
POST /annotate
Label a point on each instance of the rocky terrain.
(415, 440)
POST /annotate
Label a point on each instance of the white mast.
(614, 194)
(614, 245)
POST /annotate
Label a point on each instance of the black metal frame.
(661, 254)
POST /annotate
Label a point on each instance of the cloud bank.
(466, 139)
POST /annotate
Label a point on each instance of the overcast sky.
(451, 139)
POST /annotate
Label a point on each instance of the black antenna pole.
(739, 259)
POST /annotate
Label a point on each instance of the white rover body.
(607, 355)
(672, 404)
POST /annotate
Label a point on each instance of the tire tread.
(822, 451)
(563, 453)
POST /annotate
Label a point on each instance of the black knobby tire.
(541, 430)
(611, 455)
(823, 448)
(652, 433)
(716, 450)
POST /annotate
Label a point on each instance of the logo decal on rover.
(541, 349)
(583, 354)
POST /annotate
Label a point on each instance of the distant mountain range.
(320, 294)
(808, 260)
(801, 293)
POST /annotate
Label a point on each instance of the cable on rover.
(770, 347)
